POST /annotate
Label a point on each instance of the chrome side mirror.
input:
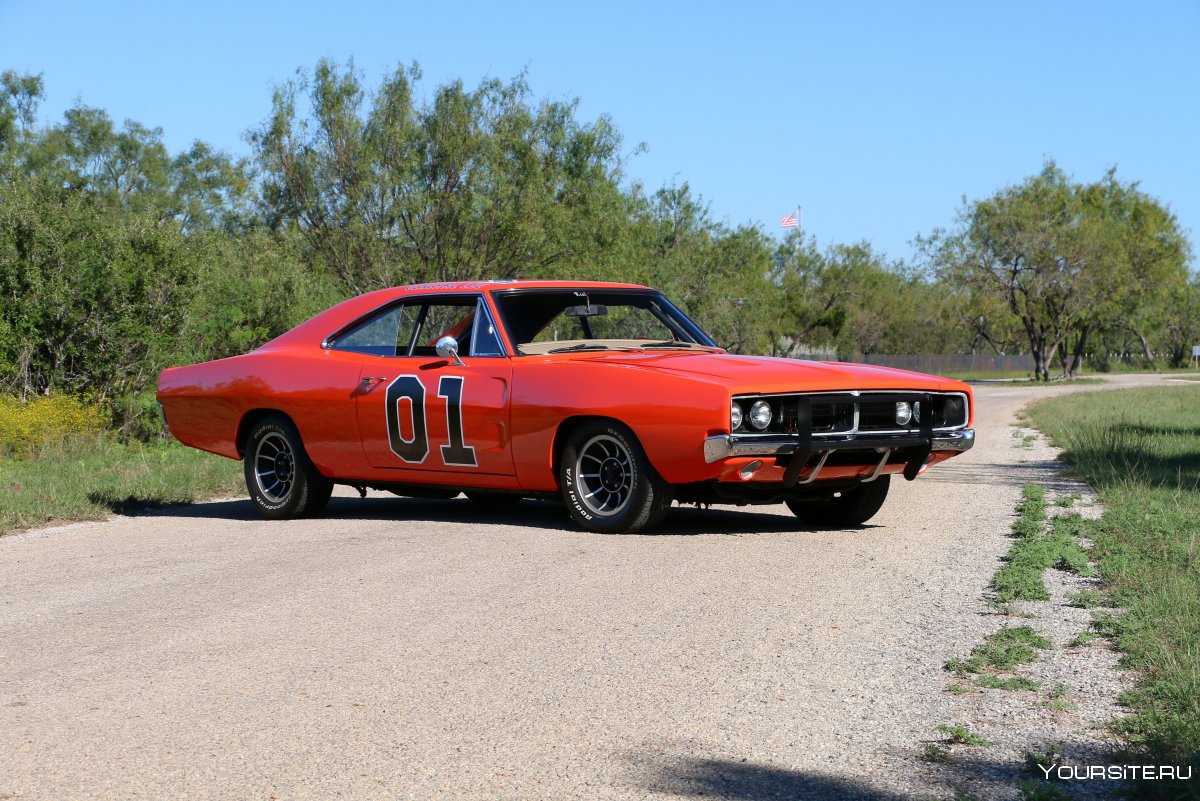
(447, 348)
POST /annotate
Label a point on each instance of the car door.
(428, 417)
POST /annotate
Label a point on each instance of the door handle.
(373, 379)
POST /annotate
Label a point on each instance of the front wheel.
(608, 483)
(282, 480)
(852, 507)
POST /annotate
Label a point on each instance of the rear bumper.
(723, 446)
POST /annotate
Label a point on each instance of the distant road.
(416, 649)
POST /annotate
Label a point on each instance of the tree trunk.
(1041, 370)
(1077, 359)
(1147, 354)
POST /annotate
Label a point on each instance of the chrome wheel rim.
(604, 475)
(275, 467)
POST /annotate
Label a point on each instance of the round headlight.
(904, 413)
(760, 415)
(735, 416)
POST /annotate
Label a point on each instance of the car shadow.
(681, 521)
(1050, 473)
(692, 777)
(969, 773)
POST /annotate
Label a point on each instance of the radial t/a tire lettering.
(607, 482)
(282, 481)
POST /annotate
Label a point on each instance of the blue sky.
(877, 117)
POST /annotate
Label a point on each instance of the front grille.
(828, 417)
(835, 413)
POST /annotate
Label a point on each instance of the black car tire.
(281, 479)
(852, 507)
(607, 482)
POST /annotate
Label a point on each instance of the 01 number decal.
(415, 448)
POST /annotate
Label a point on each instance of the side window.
(453, 317)
(386, 334)
(485, 341)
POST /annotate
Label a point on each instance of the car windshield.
(562, 320)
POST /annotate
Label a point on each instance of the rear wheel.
(607, 481)
(852, 507)
(281, 479)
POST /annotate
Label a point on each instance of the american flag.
(789, 221)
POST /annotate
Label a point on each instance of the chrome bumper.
(723, 446)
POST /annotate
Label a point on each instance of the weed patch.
(991, 681)
(1035, 550)
(87, 477)
(961, 735)
(1140, 449)
(1003, 650)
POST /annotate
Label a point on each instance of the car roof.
(337, 317)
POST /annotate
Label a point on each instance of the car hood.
(745, 374)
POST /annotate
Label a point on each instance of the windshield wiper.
(673, 343)
(581, 346)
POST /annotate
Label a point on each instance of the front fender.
(669, 413)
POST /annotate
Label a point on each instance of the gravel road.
(417, 649)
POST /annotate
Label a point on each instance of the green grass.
(88, 477)
(1067, 501)
(1003, 650)
(1086, 599)
(1032, 790)
(962, 736)
(1035, 550)
(935, 753)
(1056, 699)
(991, 681)
(1083, 639)
(1140, 449)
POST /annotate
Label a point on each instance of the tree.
(477, 183)
(1181, 326)
(1142, 265)
(91, 301)
(1038, 247)
(20, 95)
(852, 299)
(716, 274)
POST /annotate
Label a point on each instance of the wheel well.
(247, 423)
(563, 433)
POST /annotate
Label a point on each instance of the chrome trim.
(854, 429)
(816, 471)
(874, 474)
(447, 348)
(717, 448)
(487, 313)
(723, 446)
(957, 441)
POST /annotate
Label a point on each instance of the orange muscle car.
(603, 395)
